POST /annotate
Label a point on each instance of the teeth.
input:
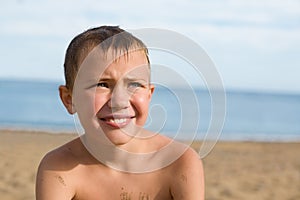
(118, 121)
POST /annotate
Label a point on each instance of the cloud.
(231, 30)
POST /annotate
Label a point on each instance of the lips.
(116, 121)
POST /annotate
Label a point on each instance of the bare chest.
(122, 186)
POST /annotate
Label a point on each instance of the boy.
(107, 73)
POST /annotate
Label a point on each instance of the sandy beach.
(233, 170)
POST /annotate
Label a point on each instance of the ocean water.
(253, 116)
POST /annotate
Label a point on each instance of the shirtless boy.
(107, 73)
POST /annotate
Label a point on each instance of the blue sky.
(254, 44)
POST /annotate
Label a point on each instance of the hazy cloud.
(241, 36)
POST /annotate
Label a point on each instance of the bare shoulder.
(188, 179)
(188, 163)
(55, 172)
(62, 157)
(190, 158)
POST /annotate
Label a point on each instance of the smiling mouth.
(117, 122)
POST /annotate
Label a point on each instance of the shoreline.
(231, 137)
(233, 170)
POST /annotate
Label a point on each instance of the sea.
(189, 113)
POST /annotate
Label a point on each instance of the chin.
(118, 137)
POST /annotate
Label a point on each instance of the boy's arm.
(189, 178)
(51, 181)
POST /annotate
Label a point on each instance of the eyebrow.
(105, 79)
(127, 78)
(132, 78)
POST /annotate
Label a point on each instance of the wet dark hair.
(108, 36)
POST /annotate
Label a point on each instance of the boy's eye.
(135, 84)
(102, 84)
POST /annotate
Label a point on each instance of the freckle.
(183, 178)
(61, 180)
(143, 196)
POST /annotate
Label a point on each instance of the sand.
(233, 170)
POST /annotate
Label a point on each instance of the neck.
(137, 160)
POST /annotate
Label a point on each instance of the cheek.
(141, 103)
(99, 101)
(83, 101)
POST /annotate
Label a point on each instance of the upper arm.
(188, 182)
(51, 181)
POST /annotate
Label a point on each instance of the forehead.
(113, 64)
(131, 63)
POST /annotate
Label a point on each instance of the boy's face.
(121, 97)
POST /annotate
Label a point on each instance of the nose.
(119, 98)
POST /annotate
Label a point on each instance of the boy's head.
(107, 37)
(112, 90)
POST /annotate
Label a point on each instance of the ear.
(66, 98)
(151, 90)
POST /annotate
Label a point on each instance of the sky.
(255, 45)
